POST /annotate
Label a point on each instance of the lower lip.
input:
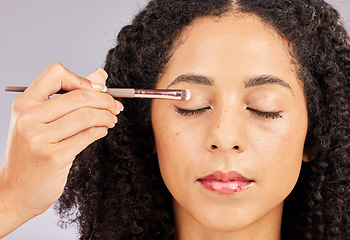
(222, 187)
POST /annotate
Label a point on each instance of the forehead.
(240, 42)
(247, 30)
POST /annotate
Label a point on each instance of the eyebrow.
(192, 78)
(265, 80)
(252, 82)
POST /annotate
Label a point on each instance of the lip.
(225, 183)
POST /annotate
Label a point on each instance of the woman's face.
(232, 153)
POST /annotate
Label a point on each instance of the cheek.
(282, 157)
(169, 137)
(175, 146)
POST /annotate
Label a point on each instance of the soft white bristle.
(185, 94)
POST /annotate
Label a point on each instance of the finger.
(80, 141)
(61, 105)
(54, 78)
(96, 77)
(99, 76)
(77, 121)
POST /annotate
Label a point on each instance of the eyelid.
(268, 115)
(196, 111)
(191, 112)
(196, 102)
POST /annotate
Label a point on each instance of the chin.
(227, 222)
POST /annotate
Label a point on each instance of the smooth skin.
(45, 136)
(247, 114)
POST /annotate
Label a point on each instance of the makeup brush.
(169, 94)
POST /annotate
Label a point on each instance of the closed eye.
(269, 115)
(191, 112)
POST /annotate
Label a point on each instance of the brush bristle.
(185, 94)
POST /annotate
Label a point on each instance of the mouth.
(225, 183)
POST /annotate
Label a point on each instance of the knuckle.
(84, 114)
(78, 96)
(49, 154)
(17, 105)
(53, 158)
(59, 70)
(21, 124)
(84, 83)
(57, 67)
(90, 132)
(110, 102)
(35, 143)
(96, 132)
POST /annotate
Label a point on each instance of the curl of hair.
(115, 190)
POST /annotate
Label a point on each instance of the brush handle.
(22, 89)
(121, 92)
(114, 92)
(181, 94)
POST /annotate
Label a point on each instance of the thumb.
(99, 76)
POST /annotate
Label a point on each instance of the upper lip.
(226, 177)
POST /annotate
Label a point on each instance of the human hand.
(45, 135)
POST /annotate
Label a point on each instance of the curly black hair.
(115, 190)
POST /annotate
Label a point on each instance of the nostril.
(215, 147)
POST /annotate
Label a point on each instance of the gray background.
(77, 33)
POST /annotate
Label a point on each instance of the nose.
(226, 131)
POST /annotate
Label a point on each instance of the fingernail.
(115, 119)
(102, 72)
(97, 86)
(120, 106)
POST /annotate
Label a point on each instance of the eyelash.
(268, 115)
(186, 112)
